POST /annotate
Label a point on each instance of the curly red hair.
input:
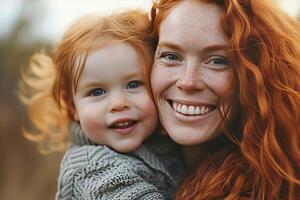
(265, 162)
(49, 81)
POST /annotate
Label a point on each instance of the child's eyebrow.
(130, 75)
(98, 83)
(87, 85)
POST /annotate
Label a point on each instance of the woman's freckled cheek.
(161, 73)
(220, 84)
(158, 78)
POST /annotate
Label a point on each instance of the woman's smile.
(191, 109)
(191, 73)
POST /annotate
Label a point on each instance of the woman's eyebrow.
(169, 45)
(215, 47)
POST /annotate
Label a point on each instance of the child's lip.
(122, 121)
(125, 130)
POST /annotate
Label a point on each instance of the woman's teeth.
(190, 109)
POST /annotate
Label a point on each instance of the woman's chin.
(187, 136)
(191, 130)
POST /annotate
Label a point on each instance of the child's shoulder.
(89, 155)
(83, 152)
(97, 169)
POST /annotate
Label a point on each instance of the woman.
(226, 80)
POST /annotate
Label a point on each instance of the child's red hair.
(49, 82)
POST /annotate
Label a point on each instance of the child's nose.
(119, 103)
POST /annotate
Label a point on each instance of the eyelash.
(103, 91)
(91, 92)
(166, 55)
(137, 82)
(224, 61)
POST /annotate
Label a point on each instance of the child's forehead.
(114, 55)
(108, 75)
(110, 49)
(118, 56)
(111, 58)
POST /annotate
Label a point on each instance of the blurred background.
(27, 26)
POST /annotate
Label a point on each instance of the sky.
(49, 18)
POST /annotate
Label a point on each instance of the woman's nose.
(118, 103)
(189, 79)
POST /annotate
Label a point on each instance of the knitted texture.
(91, 172)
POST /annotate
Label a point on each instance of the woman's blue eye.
(218, 61)
(97, 92)
(170, 56)
(133, 84)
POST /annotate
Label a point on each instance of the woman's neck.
(194, 154)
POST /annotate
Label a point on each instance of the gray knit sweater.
(91, 171)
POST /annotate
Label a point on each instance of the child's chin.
(128, 148)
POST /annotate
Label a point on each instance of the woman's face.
(191, 72)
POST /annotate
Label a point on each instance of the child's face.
(112, 102)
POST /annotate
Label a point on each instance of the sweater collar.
(151, 159)
(77, 135)
(156, 152)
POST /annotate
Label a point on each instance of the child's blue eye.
(133, 84)
(97, 92)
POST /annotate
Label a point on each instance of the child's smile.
(123, 126)
(112, 101)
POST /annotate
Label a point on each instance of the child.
(98, 77)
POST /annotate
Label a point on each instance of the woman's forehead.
(193, 22)
(195, 15)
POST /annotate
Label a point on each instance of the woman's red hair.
(265, 163)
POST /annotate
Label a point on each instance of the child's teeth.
(120, 124)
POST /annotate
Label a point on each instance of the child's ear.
(74, 114)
